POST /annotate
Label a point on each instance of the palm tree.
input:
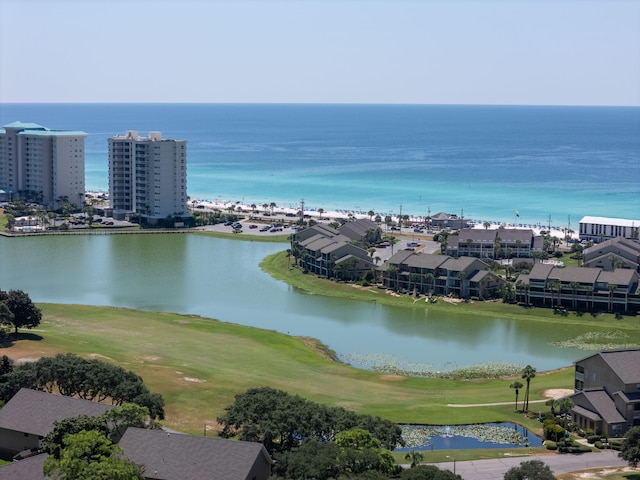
(415, 457)
(574, 289)
(320, 212)
(612, 287)
(565, 405)
(553, 404)
(371, 213)
(429, 279)
(462, 275)
(528, 373)
(516, 386)
(486, 225)
(272, 205)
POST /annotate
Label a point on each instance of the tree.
(530, 470)
(91, 455)
(528, 373)
(428, 472)
(414, 457)
(516, 386)
(630, 451)
(6, 319)
(25, 313)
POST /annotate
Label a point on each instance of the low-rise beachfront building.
(607, 392)
(443, 221)
(580, 288)
(44, 165)
(615, 253)
(147, 177)
(430, 274)
(599, 229)
(325, 252)
(494, 244)
(363, 231)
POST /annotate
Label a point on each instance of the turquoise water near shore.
(484, 162)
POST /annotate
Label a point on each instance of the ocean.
(549, 164)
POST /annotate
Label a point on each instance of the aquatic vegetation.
(389, 364)
(416, 436)
(597, 341)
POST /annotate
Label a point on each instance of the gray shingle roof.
(604, 405)
(625, 363)
(175, 456)
(27, 469)
(34, 412)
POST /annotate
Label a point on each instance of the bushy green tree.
(24, 313)
(428, 472)
(282, 422)
(90, 455)
(530, 470)
(630, 451)
(89, 379)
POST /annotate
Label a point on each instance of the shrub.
(551, 445)
(593, 438)
(599, 445)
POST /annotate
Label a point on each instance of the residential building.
(614, 253)
(580, 288)
(494, 243)
(327, 253)
(363, 231)
(423, 273)
(44, 165)
(30, 415)
(147, 176)
(442, 221)
(607, 392)
(599, 229)
(176, 456)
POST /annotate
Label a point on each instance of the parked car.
(265, 229)
(253, 226)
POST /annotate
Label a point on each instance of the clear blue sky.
(536, 52)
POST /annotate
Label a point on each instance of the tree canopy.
(630, 451)
(282, 421)
(530, 470)
(24, 314)
(89, 379)
(91, 455)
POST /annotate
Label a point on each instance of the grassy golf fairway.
(199, 364)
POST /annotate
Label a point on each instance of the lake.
(221, 279)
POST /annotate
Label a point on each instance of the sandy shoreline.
(226, 205)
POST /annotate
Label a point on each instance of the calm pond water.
(221, 279)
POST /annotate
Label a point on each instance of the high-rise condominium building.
(41, 164)
(147, 176)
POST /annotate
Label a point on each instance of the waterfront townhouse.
(607, 398)
(615, 253)
(325, 252)
(599, 229)
(42, 165)
(363, 231)
(147, 177)
(494, 244)
(439, 275)
(580, 288)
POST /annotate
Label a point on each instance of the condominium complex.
(147, 176)
(599, 229)
(42, 164)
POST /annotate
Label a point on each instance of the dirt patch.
(557, 393)
(151, 358)
(392, 378)
(194, 380)
(97, 355)
(594, 474)
(26, 360)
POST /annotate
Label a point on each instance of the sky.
(502, 52)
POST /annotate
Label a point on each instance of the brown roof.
(34, 412)
(176, 456)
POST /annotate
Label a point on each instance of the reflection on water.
(221, 279)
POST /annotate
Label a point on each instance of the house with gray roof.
(580, 288)
(614, 253)
(607, 398)
(327, 253)
(28, 469)
(440, 275)
(363, 231)
(177, 456)
(30, 415)
(492, 244)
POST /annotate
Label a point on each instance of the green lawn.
(200, 364)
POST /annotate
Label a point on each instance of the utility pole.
(301, 210)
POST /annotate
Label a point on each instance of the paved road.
(494, 469)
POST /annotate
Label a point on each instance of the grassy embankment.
(200, 364)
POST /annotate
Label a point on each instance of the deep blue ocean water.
(484, 162)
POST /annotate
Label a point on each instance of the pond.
(221, 279)
(465, 437)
